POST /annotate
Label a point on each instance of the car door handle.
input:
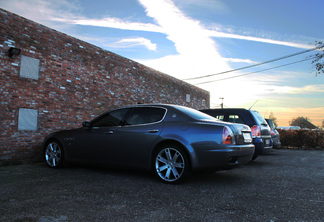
(153, 131)
(109, 132)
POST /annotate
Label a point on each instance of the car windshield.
(260, 120)
(195, 113)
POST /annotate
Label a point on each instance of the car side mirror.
(86, 124)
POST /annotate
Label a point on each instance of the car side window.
(145, 115)
(235, 119)
(220, 117)
(113, 118)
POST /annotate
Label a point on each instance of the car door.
(142, 128)
(98, 142)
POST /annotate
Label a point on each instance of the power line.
(255, 71)
(258, 64)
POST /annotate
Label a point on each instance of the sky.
(203, 41)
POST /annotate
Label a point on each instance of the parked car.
(170, 140)
(289, 127)
(261, 132)
(275, 136)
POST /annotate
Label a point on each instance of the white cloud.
(210, 5)
(112, 23)
(198, 55)
(43, 11)
(130, 42)
(197, 52)
(51, 13)
(257, 39)
(308, 89)
(240, 60)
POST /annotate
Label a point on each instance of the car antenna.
(253, 104)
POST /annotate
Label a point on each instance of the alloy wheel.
(170, 165)
(53, 155)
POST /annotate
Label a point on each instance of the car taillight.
(256, 131)
(273, 133)
(228, 137)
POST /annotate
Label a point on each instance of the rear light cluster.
(256, 131)
(273, 133)
(228, 136)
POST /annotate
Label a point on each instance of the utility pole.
(222, 104)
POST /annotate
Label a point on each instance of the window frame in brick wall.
(29, 67)
(27, 119)
(188, 98)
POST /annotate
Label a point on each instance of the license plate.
(247, 137)
(267, 142)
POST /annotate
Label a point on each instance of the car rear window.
(195, 113)
(271, 124)
(259, 119)
(235, 119)
(220, 117)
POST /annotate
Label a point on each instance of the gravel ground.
(284, 185)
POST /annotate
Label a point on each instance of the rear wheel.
(54, 155)
(254, 156)
(171, 164)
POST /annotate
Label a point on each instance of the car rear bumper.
(261, 145)
(224, 158)
(276, 143)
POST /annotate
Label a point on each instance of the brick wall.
(76, 82)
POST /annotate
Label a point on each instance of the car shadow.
(107, 173)
(270, 152)
(257, 163)
(140, 176)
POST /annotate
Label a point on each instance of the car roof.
(148, 104)
(227, 109)
(247, 115)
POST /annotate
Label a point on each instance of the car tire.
(254, 157)
(171, 164)
(54, 154)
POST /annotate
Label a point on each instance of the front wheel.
(171, 164)
(54, 154)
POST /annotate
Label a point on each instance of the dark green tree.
(318, 60)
